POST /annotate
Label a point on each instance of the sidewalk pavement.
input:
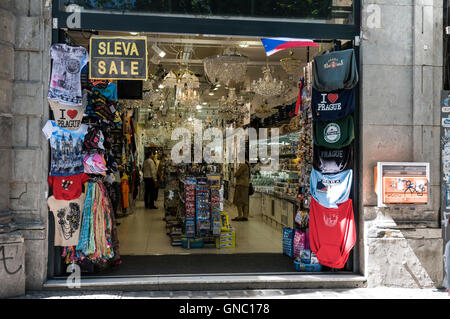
(355, 293)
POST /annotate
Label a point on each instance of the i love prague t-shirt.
(333, 105)
(331, 189)
(335, 134)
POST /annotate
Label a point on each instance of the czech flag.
(273, 45)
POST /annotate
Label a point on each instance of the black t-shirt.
(332, 161)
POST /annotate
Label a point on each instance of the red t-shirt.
(332, 233)
(67, 187)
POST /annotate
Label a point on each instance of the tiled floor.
(144, 233)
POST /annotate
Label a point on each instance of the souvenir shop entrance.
(143, 212)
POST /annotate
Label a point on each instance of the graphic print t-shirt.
(65, 82)
(331, 189)
(331, 106)
(67, 187)
(66, 149)
(335, 134)
(67, 215)
(335, 70)
(332, 161)
(68, 116)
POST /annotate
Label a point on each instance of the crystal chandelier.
(188, 98)
(229, 68)
(291, 65)
(267, 85)
(183, 79)
(231, 106)
(264, 110)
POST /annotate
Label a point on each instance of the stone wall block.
(6, 96)
(27, 165)
(25, 196)
(5, 131)
(12, 270)
(21, 65)
(7, 26)
(28, 33)
(19, 130)
(7, 62)
(28, 98)
(383, 97)
(5, 168)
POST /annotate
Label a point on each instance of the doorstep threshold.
(214, 282)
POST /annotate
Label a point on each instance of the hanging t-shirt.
(67, 187)
(67, 215)
(332, 233)
(65, 82)
(332, 161)
(333, 105)
(335, 70)
(66, 149)
(335, 134)
(331, 189)
(68, 116)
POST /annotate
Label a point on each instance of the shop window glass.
(319, 11)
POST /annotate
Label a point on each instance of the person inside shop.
(160, 174)
(241, 194)
(150, 181)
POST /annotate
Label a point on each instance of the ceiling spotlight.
(205, 103)
(211, 93)
(199, 107)
(215, 89)
(218, 85)
(133, 33)
(161, 86)
(190, 119)
(244, 45)
(160, 52)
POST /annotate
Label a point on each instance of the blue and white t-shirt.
(66, 149)
(329, 190)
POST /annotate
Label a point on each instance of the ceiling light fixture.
(160, 52)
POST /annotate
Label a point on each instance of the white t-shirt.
(65, 82)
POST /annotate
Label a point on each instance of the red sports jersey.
(332, 233)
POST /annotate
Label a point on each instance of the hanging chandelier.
(228, 69)
(267, 85)
(291, 65)
(183, 79)
(188, 98)
(263, 110)
(231, 107)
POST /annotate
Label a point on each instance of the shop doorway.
(153, 241)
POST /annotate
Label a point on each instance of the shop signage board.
(118, 58)
(402, 183)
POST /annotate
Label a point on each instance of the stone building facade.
(402, 67)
